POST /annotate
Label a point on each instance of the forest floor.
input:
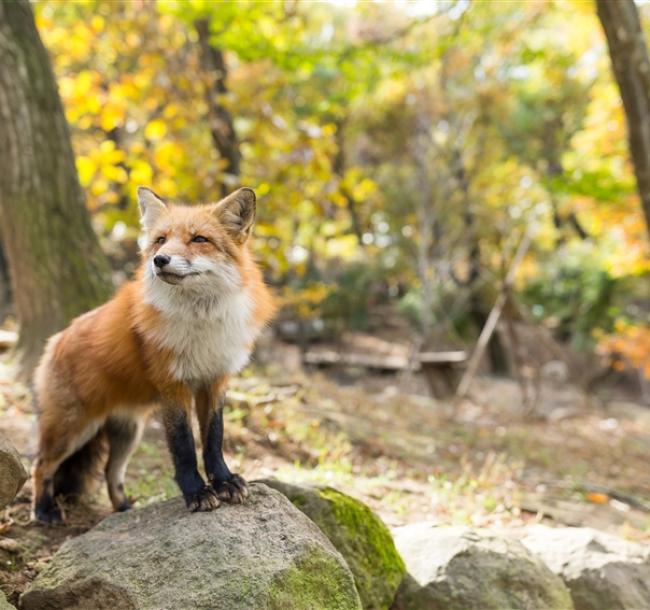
(482, 462)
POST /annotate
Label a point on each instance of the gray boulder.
(264, 554)
(358, 534)
(601, 570)
(458, 568)
(12, 472)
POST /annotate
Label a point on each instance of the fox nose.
(160, 260)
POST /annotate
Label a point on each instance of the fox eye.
(199, 239)
(161, 240)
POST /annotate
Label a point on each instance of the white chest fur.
(209, 337)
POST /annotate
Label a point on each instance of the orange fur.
(114, 359)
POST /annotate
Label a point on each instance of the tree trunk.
(339, 166)
(5, 287)
(426, 217)
(629, 54)
(222, 128)
(477, 309)
(56, 265)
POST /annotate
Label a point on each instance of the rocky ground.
(480, 463)
(298, 547)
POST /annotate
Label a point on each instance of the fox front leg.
(198, 496)
(228, 486)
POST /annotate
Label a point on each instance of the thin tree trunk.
(56, 265)
(425, 211)
(339, 169)
(631, 65)
(477, 309)
(222, 128)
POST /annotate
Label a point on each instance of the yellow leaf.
(155, 130)
(106, 147)
(115, 173)
(141, 173)
(99, 187)
(97, 23)
(86, 169)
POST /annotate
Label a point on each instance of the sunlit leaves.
(353, 120)
(155, 130)
(628, 347)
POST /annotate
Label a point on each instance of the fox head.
(196, 247)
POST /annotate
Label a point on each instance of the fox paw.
(49, 514)
(233, 489)
(203, 501)
(124, 505)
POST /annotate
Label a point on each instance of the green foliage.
(354, 290)
(574, 294)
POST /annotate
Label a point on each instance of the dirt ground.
(577, 460)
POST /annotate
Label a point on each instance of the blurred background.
(400, 152)
(427, 173)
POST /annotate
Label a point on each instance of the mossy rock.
(358, 534)
(264, 554)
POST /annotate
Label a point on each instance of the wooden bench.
(442, 370)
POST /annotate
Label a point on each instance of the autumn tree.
(398, 156)
(220, 121)
(631, 65)
(57, 268)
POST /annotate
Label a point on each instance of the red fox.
(174, 335)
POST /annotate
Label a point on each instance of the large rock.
(12, 472)
(359, 535)
(457, 568)
(264, 554)
(601, 570)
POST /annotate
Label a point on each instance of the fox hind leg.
(57, 441)
(124, 434)
(44, 507)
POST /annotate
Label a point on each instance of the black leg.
(198, 496)
(228, 486)
(46, 509)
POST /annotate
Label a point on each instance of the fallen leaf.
(597, 498)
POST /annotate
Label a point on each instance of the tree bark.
(56, 266)
(5, 287)
(222, 128)
(631, 65)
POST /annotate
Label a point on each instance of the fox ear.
(151, 207)
(237, 213)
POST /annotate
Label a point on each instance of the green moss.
(315, 582)
(358, 534)
(299, 501)
(366, 543)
